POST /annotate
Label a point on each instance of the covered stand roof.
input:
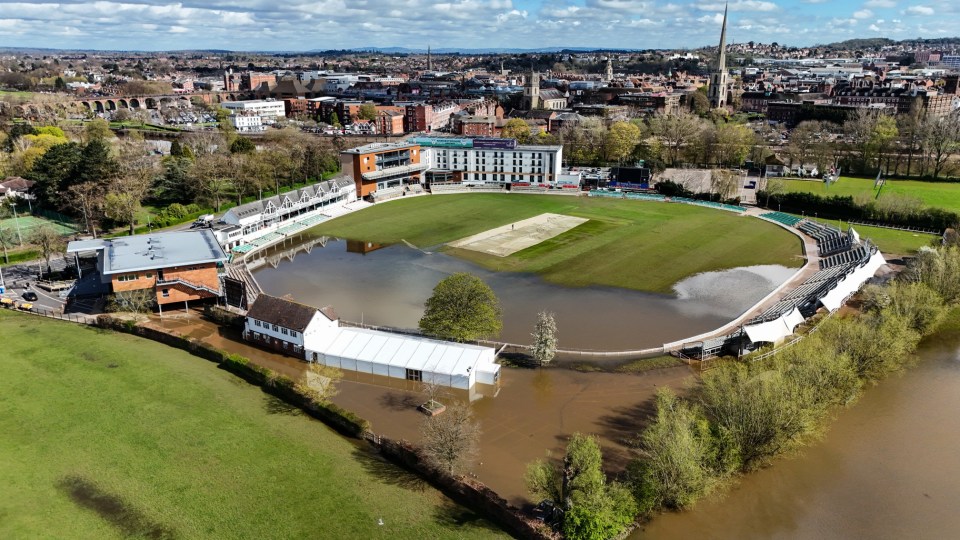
(408, 352)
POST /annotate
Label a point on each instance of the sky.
(301, 25)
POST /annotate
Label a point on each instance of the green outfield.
(890, 241)
(27, 223)
(108, 435)
(634, 244)
(936, 194)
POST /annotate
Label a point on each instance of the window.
(283, 331)
(315, 358)
(275, 328)
(293, 333)
(165, 293)
(414, 375)
(148, 275)
(256, 322)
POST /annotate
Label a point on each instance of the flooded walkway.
(534, 413)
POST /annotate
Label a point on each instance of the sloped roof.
(283, 312)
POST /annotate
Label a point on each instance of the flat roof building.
(382, 166)
(177, 266)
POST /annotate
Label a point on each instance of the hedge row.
(280, 386)
(844, 207)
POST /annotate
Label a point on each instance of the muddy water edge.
(887, 468)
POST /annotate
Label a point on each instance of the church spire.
(722, 60)
(717, 91)
(429, 59)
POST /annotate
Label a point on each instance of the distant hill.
(877, 43)
(455, 50)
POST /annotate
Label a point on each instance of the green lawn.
(639, 245)
(27, 223)
(107, 435)
(889, 240)
(937, 194)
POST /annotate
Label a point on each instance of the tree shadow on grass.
(131, 521)
(275, 405)
(453, 516)
(387, 472)
(396, 401)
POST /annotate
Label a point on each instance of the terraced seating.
(847, 258)
(645, 196)
(242, 248)
(780, 217)
(607, 194)
(528, 189)
(448, 188)
(487, 187)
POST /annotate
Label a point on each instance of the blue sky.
(322, 24)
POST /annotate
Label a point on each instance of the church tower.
(429, 60)
(609, 73)
(718, 82)
(531, 91)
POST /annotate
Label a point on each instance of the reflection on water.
(389, 284)
(888, 468)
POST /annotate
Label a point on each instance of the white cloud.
(919, 10)
(716, 18)
(862, 14)
(873, 28)
(881, 3)
(739, 5)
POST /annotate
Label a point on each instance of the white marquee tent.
(456, 365)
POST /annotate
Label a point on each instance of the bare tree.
(135, 301)
(49, 241)
(676, 131)
(320, 382)
(433, 391)
(544, 346)
(451, 440)
(941, 141)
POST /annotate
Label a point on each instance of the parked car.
(30, 296)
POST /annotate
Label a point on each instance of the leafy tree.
(97, 129)
(16, 131)
(937, 269)
(451, 439)
(242, 145)
(210, 177)
(53, 172)
(367, 111)
(733, 143)
(335, 121)
(59, 85)
(462, 308)
(516, 128)
(622, 138)
(593, 509)
(97, 163)
(677, 456)
(176, 150)
(699, 102)
(544, 346)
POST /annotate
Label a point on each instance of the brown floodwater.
(889, 467)
(387, 285)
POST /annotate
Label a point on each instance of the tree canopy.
(462, 308)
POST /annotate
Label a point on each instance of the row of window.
(283, 344)
(134, 277)
(276, 328)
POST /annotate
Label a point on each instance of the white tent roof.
(410, 352)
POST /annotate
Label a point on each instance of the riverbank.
(885, 469)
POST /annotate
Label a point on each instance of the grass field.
(638, 245)
(937, 194)
(27, 223)
(889, 240)
(111, 436)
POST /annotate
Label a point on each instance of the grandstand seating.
(781, 217)
(645, 196)
(386, 194)
(846, 258)
(528, 189)
(607, 194)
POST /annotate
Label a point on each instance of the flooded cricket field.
(387, 285)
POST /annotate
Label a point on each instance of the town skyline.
(252, 25)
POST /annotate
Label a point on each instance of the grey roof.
(286, 313)
(379, 147)
(154, 251)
